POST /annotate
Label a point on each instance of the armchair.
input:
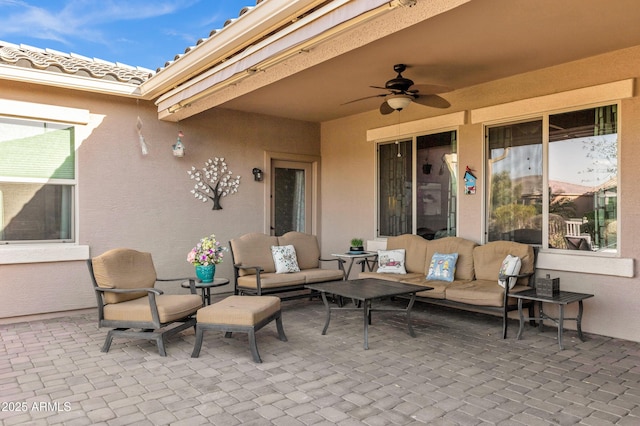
(123, 281)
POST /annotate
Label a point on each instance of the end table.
(561, 299)
(206, 288)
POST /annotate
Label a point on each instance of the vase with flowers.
(205, 256)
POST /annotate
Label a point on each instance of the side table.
(561, 299)
(352, 256)
(206, 288)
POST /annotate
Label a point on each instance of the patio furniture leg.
(328, 308)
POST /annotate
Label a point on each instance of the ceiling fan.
(402, 91)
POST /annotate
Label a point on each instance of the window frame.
(83, 123)
(413, 139)
(543, 117)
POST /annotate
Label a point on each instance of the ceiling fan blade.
(433, 101)
(385, 108)
(381, 95)
(430, 89)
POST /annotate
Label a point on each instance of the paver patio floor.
(457, 371)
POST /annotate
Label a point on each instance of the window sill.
(588, 264)
(38, 253)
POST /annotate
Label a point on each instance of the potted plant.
(205, 256)
(356, 245)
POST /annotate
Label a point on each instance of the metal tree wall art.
(213, 181)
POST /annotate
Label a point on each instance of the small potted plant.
(356, 245)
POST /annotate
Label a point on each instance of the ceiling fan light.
(399, 102)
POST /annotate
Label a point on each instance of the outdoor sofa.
(257, 273)
(474, 284)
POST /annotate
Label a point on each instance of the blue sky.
(144, 33)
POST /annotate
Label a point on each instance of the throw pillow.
(391, 261)
(285, 259)
(442, 267)
(510, 266)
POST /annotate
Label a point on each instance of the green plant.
(356, 242)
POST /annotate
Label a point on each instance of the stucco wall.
(349, 164)
(143, 202)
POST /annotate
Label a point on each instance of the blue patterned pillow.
(442, 267)
(285, 259)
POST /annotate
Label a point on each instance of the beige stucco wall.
(349, 178)
(143, 202)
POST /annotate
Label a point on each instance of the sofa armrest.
(238, 266)
(340, 262)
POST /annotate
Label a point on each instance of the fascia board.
(74, 82)
(260, 21)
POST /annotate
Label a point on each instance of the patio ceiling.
(463, 44)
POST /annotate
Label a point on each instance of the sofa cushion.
(480, 293)
(272, 280)
(415, 251)
(123, 268)
(488, 259)
(437, 291)
(307, 249)
(391, 261)
(392, 277)
(318, 275)
(284, 258)
(464, 248)
(254, 249)
(442, 267)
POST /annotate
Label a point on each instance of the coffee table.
(365, 291)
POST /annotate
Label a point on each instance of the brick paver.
(457, 371)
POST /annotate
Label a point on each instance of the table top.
(353, 254)
(217, 282)
(366, 288)
(562, 298)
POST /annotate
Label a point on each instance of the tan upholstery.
(318, 275)
(438, 291)
(239, 310)
(488, 259)
(447, 245)
(306, 245)
(124, 269)
(170, 308)
(149, 314)
(392, 277)
(272, 280)
(254, 249)
(415, 250)
(481, 293)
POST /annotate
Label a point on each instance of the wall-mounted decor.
(178, 148)
(213, 181)
(469, 182)
(143, 144)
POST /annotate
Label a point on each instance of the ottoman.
(245, 314)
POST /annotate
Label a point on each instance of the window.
(567, 202)
(37, 181)
(417, 193)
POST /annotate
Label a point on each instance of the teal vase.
(205, 273)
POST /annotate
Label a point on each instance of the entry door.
(291, 201)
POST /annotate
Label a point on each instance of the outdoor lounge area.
(457, 126)
(456, 371)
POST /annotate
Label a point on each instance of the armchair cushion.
(124, 269)
(171, 307)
